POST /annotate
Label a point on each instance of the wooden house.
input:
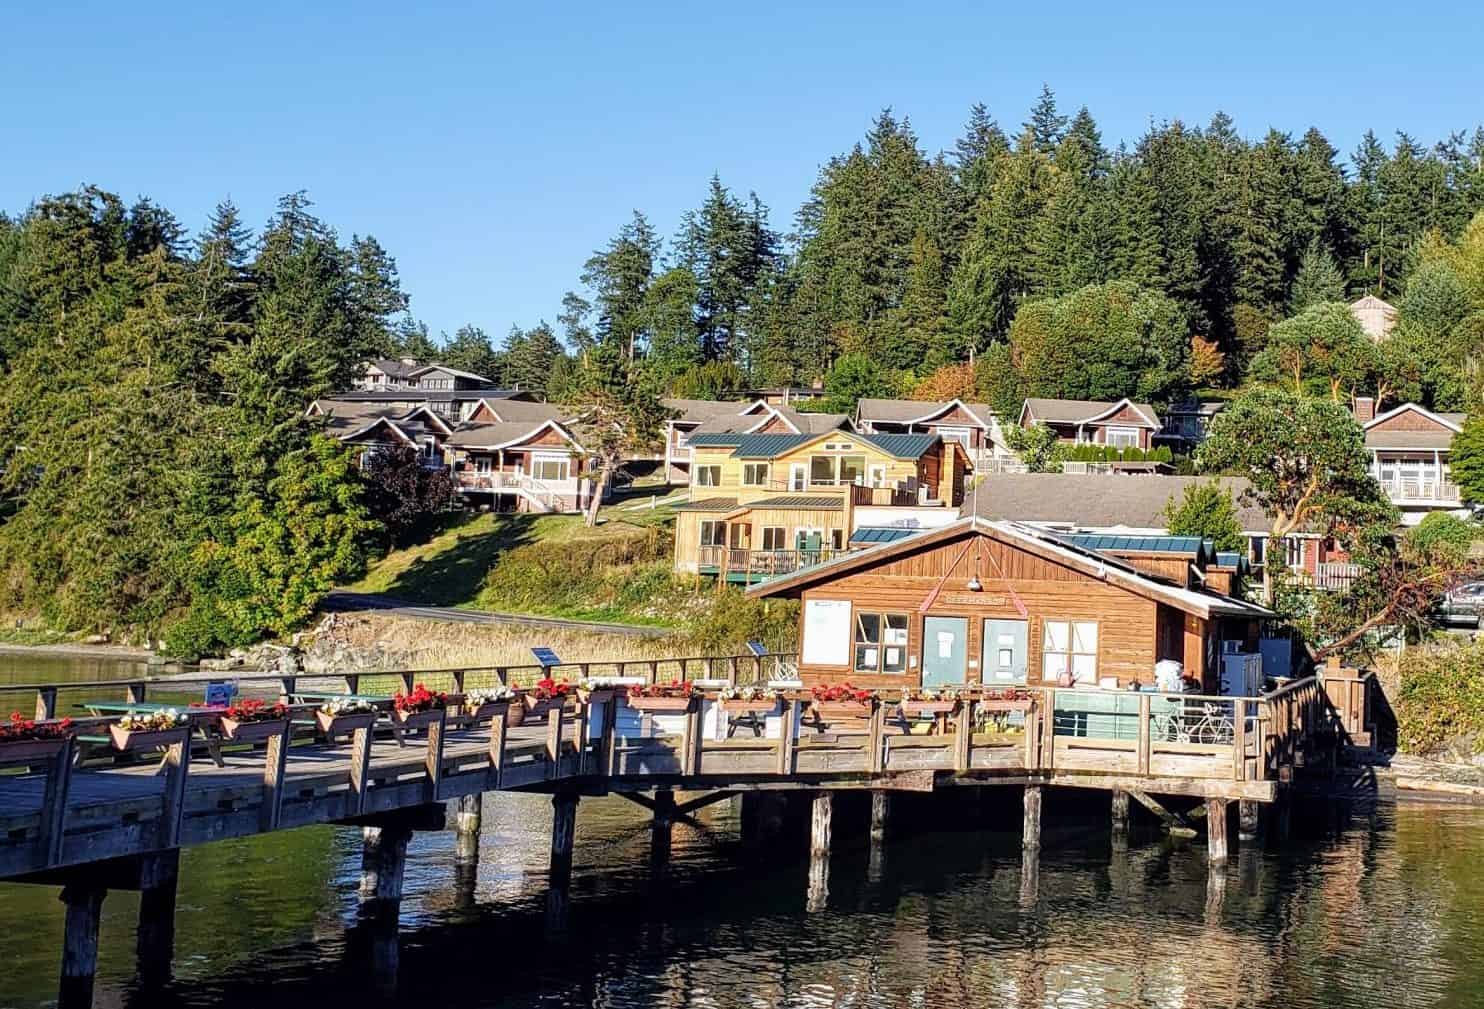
(973, 425)
(1124, 424)
(765, 503)
(373, 428)
(521, 465)
(1410, 448)
(690, 417)
(1001, 603)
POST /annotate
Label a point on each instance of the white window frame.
(1121, 437)
(962, 435)
(1070, 646)
(887, 637)
(540, 459)
(716, 524)
(762, 481)
(777, 536)
(699, 482)
(798, 476)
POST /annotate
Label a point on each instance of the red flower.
(421, 699)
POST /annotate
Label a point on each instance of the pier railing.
(67, 812)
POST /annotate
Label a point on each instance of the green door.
(945, 650)
(1004, 651)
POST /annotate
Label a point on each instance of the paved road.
(348, 601)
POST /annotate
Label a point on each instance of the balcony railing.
(1421, 491)
(752, 564)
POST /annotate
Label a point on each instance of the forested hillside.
(152, 399)
(159, 474)
(915, 260)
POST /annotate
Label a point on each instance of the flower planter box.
(417, 719)
(667, 704)
(126, 740)
(832, 710)
(251, 732)
(735, 706)
(539, 708)
(335, 725)
(1001, 704)
(929, 707)
(490, 710)
(29, 750)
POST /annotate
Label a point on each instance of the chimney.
(1365, 409)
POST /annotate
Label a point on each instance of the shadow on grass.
(454, 576)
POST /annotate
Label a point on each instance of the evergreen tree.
(619, 277)
(1045, 126)
(375, 298)
(1318, 279)
(471, 350)
(977, 152)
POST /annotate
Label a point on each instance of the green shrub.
(1439, 699)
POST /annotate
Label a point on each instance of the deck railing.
(760, 563)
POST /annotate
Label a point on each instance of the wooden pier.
(93, 825)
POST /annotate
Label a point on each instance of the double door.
(945, 651)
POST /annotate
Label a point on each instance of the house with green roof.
(768, 501)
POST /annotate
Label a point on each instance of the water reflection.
(1368, 905)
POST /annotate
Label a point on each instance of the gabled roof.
(521, 410)
(451, 371)
(1090, 563)
(915, 411)
(900, 446)
(694, 411)
(791, 502)
(1121, 544)
(429, 418)
(385, 423)
(1452, 421)
(395, 368)
(769, 446)
(1085, 411)
(505, 434)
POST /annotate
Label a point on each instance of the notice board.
(826, 632)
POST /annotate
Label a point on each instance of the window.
(707, 476)
(775, 538)
(853, 469)
(880, 642)
(1293, 551)
(1070, 646)
(755, 474)
(958, 434)
(713, 534)
(550, 468)
(822, 469)
(837, 539)
(1121, 437)
(483, 464)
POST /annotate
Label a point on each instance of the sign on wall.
(826, 632)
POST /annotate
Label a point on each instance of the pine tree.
(1045, 126)
(1075, 236)
(1318, 279)
(619, 276)
(471, 350)
(977, 152)
(375, 298)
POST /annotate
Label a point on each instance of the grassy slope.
(449, 570)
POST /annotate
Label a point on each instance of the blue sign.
(757, 648)
(220, 694)
(546, 657)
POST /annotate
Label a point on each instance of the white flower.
(345, 706)
(489, 695)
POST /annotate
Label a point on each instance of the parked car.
(1464, 605)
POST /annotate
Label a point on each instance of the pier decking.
(76, 824)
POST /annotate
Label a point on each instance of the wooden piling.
(1031, 829)
(383, 866)
(563, 836)
(159, 874)
(1249, 819)
(819, 825)
(662, 826)
(1216, 842)
(84, 902)
(468, 821)
(818, 894)
(1030, 876)
(1120, 816)
(880, 812)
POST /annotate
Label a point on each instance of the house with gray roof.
(1121, 424)
(974, 425)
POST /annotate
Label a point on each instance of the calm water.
(1370, 905)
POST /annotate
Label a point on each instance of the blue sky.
(491, 147)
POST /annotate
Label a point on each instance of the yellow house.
(767, 504)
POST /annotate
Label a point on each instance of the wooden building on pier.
(1001, 603)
